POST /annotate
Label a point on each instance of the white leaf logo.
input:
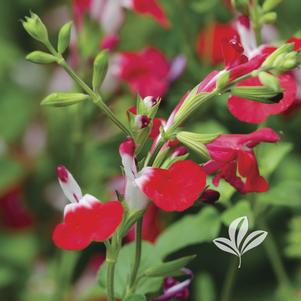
(239, 242)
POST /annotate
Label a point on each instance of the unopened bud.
(36, 28)
(64, 37)
(180, 151)
(210, 196)
(270, 81)
(63, 99)
(142, 121)
(270, 17)
(100, 69)
(40, 57)
(284, 49)
(270, 4)
(150, 101)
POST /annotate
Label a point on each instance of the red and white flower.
(86, 219)
(172, 189)
(134, 197)
(233, 158)
(175, 188)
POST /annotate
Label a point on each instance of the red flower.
(210, 41)
(151, 7)
(86, 219)
(175, 188)
(146, 72)
(256, 112)
(234, 160)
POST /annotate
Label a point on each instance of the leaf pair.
(239, 242)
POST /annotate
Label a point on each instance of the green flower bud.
(40, 57)
(64, 37)
(270, 17)
(270, 4)
(257, 93)
(196, 142)
(100, 69)
(63, 99)
(273, 56)
(270, 81)
(36, 28)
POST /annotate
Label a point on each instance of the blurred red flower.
(146, 72)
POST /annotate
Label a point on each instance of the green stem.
(229, 281)
(110, 280)
(274, 257)
(138, 240)
(96, 98)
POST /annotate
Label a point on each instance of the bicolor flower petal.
(86, 219)
(175, 188)
(134, 197)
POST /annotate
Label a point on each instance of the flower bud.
(270, 4)
(63, 99)
(36, 28)
(64, 37)
(284, 49)
(195, 142)
(269, 81)
(100, 69)
(180, 151)
(257, 93)
(40, 57)
(150, 101)
(142, 121)
(270, 17)
(210, 196)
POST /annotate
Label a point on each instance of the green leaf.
(64, 37)
(270, 156)
(124, 265)
(168, 268)
(135, 297)
(204, 288)
(285, 194)
(62, 99)
(40, 57)
(189, 231)
(242, 208)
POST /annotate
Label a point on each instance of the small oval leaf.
(242, 231)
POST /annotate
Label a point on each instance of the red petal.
(84, 224)
(177, 188)
(256, 112)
